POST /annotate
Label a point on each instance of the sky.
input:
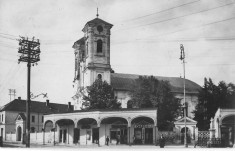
(145, 40)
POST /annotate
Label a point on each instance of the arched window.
(99, 76)
(129, 104)
(99, 46)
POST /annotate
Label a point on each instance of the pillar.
(68, 133)
(219, 130)
(155, 135)
(99, 137)
(43, 130)
(194, 132)
(129, 136)
(54, 134)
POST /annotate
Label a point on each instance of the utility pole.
(182, 57)
(12, 92)
(30, 51)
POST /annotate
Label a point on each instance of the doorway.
(95, 135)
(64, 136)
(60, 136)
(138, 136)
(148, 135)
(19, 133)
(76, 135)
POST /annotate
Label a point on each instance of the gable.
(20, 117)
(188, 121)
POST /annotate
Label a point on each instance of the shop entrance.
(148, 135)
(64, 136)
(76, 135)
(118, 130)
(95, 135)
(228, 131)
(138, 136)
(143, 130)
(118, 135)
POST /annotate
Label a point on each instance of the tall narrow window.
(87, 49)
(99, 46)
(33, 119)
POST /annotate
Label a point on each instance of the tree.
(210, 98)
(148, 92)
(100, 96)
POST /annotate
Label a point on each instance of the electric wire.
(166, 20)
(161, 11)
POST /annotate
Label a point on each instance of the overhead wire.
(161, 11)
(202, 25)
(8, 34)
(169, 19)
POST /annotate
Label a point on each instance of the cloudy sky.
(145, 40)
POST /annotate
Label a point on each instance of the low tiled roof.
(36, 106)
(121, 81)
(108, 110)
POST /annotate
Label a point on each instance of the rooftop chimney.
(47, 102)
(19, 98)
(69, 105)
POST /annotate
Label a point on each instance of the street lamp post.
(182, 57)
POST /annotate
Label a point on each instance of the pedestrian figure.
(107, 140)
(162, 141)
(118, 139)
(134, 139)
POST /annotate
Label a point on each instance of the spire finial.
(97, 15)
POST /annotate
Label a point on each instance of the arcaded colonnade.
(223, 126)
(122, 126)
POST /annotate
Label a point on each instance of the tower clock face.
(99, 28)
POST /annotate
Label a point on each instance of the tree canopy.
(210, 98)
(100, 96)
(149, 92)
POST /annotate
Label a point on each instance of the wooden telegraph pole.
(30, 51)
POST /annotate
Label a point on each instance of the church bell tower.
(92, 57)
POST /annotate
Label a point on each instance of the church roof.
(81, 41)
(36, 106)
(120, 81)
(96, 21)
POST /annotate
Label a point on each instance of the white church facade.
(138, 126)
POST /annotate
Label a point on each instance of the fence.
(35, 137)
(171, 137)
(203, 138)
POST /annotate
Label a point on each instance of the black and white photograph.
(117, 74)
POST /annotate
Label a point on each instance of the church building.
(138, 126)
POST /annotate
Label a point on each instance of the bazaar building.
(92, 61)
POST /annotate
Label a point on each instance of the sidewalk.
(95, 146)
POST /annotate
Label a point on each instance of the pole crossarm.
(30, 50)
